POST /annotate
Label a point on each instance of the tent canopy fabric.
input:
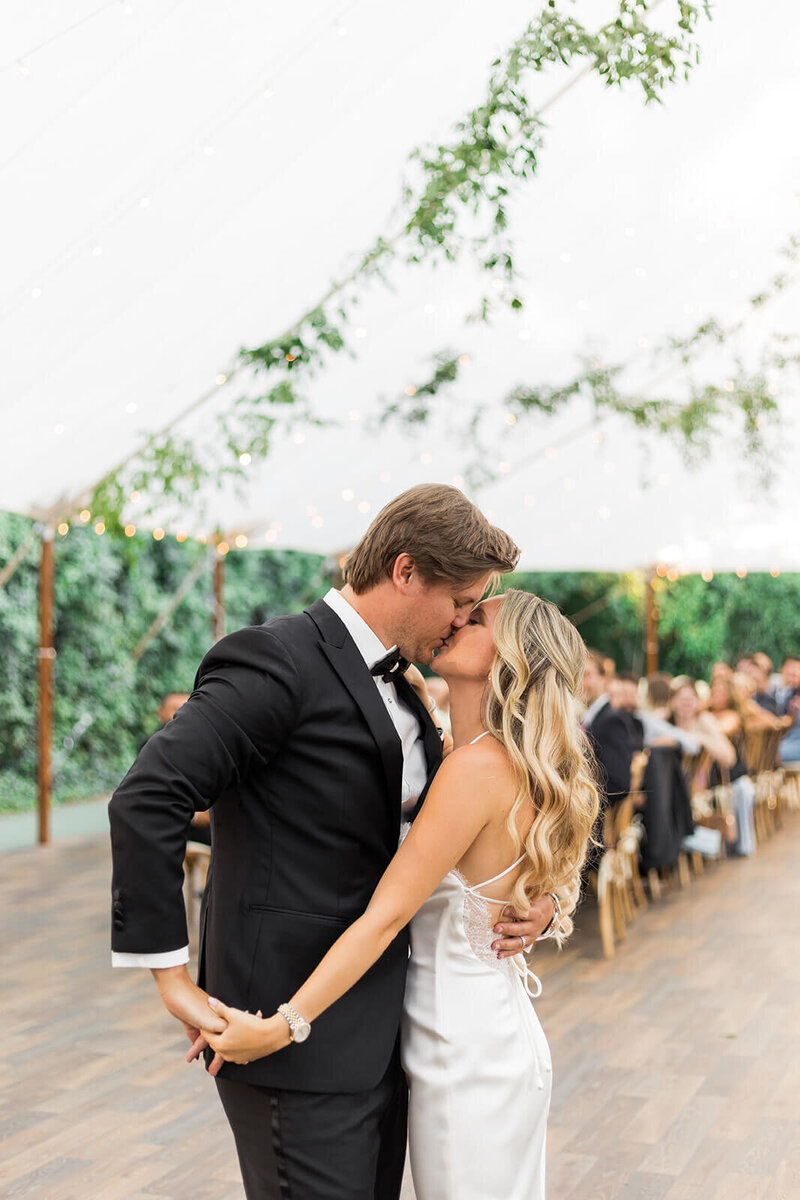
(180, 181)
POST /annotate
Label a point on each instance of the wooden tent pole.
(46, 656)
(218, 618)
(651, 624)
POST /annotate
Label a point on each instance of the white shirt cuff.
(169, 958)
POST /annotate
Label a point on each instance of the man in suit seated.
(608, 731)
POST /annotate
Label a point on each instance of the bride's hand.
(246, 1037)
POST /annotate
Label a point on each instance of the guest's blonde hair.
(531, 707)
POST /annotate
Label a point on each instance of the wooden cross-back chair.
(617, 880)
(761, 757)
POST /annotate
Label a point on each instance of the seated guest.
(720, 670)
(686, 714)
(789, 749)
(648, 729)
(623, 693)
(659, 691)
(789, 684)
(758, 667)
(607, 730)
(756, 715)
(728, 709)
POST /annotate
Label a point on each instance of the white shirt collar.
(369, 645)
(594, 709)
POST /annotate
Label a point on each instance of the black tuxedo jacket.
(287, 740)
(610, 738)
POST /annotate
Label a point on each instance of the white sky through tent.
(180, 180)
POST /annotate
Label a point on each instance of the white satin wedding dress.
(476, 1057)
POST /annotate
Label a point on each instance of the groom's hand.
(516, 934)
(188, 1003)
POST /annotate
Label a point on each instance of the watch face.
(301, 1032)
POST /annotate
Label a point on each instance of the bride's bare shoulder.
(479, 761)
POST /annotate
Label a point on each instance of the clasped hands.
(233, 1035)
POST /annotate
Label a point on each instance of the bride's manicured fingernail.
(212, 1000)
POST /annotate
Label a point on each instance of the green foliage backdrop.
(109, 592)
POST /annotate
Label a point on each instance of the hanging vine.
(471, 175)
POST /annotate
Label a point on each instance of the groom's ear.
(404, 571)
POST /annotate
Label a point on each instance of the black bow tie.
(390, 666)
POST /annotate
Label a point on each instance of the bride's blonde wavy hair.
(531, 708)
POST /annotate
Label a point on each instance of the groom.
(308, 744)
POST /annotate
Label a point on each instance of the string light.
(707, 576)
(569, 484)
(364, 506)
(355, 414)
(661, 571)
(158, 534)
(630, 232)
(222, 548)
(208, 151)
(317, 522)
(640, 272)
(298, 438)
(550, 452)
(672, 575)
(598, 437)
(245, 459)
(202, 539)
(348, 494)
(63, 529)
(729, 385)
(86, 516)
(290, 358)
(458, 481)
(774, 574)
(385, 476)
(772, 390)
(741, 573)
(642, 343)
(130, 530)
(181, 537)
(410, 390)
(429, 308)
(464, 360)
(524, 335)
(220, 379)
(565, 256)
(100, 528)
(23, 68)
(97, 251)
(240, 541)
(361, 332)
(135, 497)
(511, 419)
(504, 468)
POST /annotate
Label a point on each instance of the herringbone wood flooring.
(676, 1065)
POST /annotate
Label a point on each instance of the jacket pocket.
(324, 918)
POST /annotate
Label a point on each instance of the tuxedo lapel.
(343, 655)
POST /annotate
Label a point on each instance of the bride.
(512, 807)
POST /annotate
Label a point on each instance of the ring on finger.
(521, 937)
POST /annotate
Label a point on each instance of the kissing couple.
(369, 907)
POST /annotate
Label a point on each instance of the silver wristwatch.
(299, 1027)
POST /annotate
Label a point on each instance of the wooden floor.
(676, 1065)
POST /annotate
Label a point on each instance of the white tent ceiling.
(181, 180)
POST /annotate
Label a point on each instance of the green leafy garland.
(747, 397)
(495, 146)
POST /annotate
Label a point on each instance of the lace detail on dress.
(478, 926)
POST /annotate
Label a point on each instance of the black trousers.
(314, 1146)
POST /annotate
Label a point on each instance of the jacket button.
(119, 923)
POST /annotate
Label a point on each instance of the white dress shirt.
(415, 768)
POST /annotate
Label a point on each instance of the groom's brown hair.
(449, 539)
